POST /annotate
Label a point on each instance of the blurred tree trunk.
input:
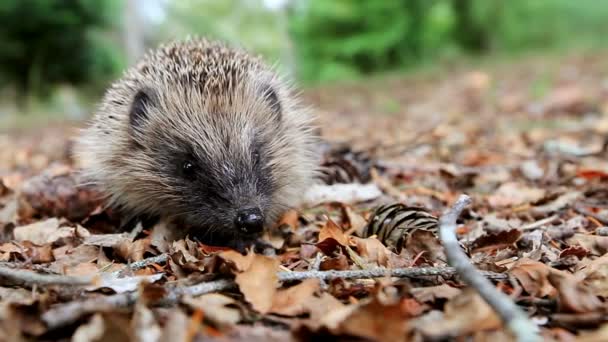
(468, 32)
(133, 37)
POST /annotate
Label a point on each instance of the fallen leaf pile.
(534, 162)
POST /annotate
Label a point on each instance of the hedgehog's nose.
(250, 221)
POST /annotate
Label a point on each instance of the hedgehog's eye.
(256, 157)
(188, 169)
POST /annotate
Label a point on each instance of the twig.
(33, 278)
(64, 314)
(515, 319)
(540, 223)
(159, 259)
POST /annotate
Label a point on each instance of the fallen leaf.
(596, 244)
(144, 325)
(47, 231)
(133, 250)
(339, 262)
(290, 218)
(332, 230)
(259, 282)
(465, 314)
(374, 321)
(514, 194)
(573, 295)
(372, 250)
(106, 240)
(432, 293)
(293, 300)
(121, 285)
(559, 203)
(90, 331)
(533, 277)
(423, 241)
(176, 327)
(216, 308)
(494, 241)
(237, 260)
(595, 274)
(355, 221)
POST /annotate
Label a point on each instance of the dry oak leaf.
(514, 194)
(533, 277)
(372, 250)
(238, 261)
(595, 274)
(596, 244)
(143, 325)
(432, 293)
(573, 295)
(374, 321)
(355, 221)
(47, 231)
(333, 231)
(293, 301)
(216, 308)
(465, 314)
(259, 282)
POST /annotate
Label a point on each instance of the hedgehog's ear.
(142, 101)
(271, 97)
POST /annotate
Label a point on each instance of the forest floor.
(525, 140)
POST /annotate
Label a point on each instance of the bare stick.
(515, 319)
(159, 259)
(64, 314)
(33, 278)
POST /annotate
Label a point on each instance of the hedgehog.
(205, 136)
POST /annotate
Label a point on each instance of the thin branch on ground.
(134, 266)
(10, 276)
(65, 314)
(514, 318)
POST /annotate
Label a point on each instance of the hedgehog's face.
(215, 162)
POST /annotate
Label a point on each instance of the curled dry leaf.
(339, 262)
(133, 250)
(465, 314)
(595, 274)
(259, 282)
(47, 231)
(121, 285)
(294, 300)
(237, 260)
(596, 244)
(426, 242)
(533, 277)
(495, 241)
(372, 320)
(372, 250)
(432, 293)
(215, 307)
(513, 194)
(144, 325)
(355, 221)
(333, 231)
(91, 331)
(176, 326)
(573, 295)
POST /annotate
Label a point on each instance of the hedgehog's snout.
(249, 221)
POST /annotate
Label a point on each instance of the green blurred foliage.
(244, 22)
(346, 38)
(49, 42)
